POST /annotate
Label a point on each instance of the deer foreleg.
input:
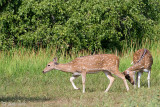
(134, 78)
(149, 75)
(123, 78)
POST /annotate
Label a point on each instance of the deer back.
(95, 63)
(142, 59)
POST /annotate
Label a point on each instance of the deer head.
(51, 65)
(129, 76)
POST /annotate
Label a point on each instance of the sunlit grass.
(22, 81)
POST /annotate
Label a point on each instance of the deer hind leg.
(111, 79)
(74, 76)
(120, 75)
(83, 80)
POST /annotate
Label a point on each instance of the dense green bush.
(78, 24)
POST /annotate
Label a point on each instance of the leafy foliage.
(78, 24)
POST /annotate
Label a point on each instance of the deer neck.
(64, 67)
(130, 68)
(135, 67)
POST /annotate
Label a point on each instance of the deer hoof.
(77, 89)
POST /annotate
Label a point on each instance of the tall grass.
(22, 81)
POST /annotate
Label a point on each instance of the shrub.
(77, 25)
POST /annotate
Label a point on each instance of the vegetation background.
(33, 32)
(78, 24)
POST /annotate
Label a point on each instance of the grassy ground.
(23, 84)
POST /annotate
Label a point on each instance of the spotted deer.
(142, 62)
(107, 63)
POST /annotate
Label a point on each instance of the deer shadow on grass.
(22, 99)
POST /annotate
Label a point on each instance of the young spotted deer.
(142, 62)
(107, 63)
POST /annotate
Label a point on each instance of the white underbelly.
(145, 70)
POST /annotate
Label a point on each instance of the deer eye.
(48, 65)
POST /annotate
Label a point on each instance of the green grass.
(22, 82)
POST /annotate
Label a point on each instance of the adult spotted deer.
(142, 62)
(107, 63)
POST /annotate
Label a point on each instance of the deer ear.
(124, 73)
(55, 59)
